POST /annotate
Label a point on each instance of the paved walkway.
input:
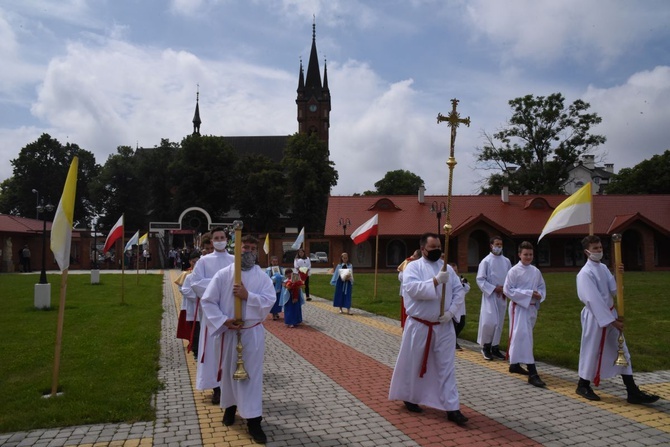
(326, 384)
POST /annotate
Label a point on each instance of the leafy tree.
(398, 182)
(542, 141)
(648, 177)
(154, 167)
(202, 175)
(259, 192)
(118, 190)
(43, 166)
(310, 176)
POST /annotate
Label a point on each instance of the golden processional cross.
(453, 120)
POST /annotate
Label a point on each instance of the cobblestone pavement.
(326, 384)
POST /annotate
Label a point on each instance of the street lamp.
(438, 209)
(344, 222)
(37, 203)
(43, 209)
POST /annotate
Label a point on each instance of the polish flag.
(114, 234)
(366, 230)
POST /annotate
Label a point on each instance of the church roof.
(517, 218)
(270, 146)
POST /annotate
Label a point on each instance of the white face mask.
(595, 257)
(496, 250)
(219, 245)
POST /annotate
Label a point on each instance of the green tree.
(398, 182)
(648, 177)
(259, 192)
(154, 167)
(43, 166)
(542, 141)
(202, 175)
(309, 177)
(119, 190)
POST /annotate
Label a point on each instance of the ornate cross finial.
(454, 118)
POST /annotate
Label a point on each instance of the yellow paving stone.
(116, 443)
(131, 443)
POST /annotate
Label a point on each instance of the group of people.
(433, 297)
(433, 313)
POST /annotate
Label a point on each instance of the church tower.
(196, 116)
(313, 96)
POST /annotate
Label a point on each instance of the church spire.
(196, 117)
(313, 80)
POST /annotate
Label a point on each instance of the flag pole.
(138, 261)
(374, 293)
(123, 259)
(59, 333)
(591, 223)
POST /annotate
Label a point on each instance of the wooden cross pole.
(453, 120)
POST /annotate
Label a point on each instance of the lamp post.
(37, 203)
(438, 209)
(344, 222)
(43, 209)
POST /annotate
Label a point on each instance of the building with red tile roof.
(643, 221)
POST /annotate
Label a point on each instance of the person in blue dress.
(343, 280)
(292, 298)
(276, 273)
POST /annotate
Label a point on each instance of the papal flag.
(61, 229)
(266, 244)
(144, 240)
(575, 210)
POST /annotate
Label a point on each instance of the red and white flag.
(114, 234)
(366, 230)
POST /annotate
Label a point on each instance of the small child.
(460, 324)
(292, 298)
(525, 288)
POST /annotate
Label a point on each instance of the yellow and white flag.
(266, 244)
(144, 240)
(575, 210)
(61, 228)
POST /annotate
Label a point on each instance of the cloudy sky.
(105, 73)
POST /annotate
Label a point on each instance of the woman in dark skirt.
(343, 280)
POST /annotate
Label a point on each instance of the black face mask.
(434, 255)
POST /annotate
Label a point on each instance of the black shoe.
(515, 368)
(458, 347)
(640, 397)
(255, 430)
(229, 415)
(309, 299)
(216, 397)
(414, 408)
(587, 392)
(536, 381)
(486, 352)
(495, 352)
(457, 417)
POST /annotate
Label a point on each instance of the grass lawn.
(558, 329)
(109, 355)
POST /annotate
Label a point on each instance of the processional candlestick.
(240, 373)
(453, 120)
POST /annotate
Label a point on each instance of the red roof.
(16, 224)
(521, 216)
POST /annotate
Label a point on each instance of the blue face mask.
(496, 250)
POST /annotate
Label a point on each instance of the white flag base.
(95, 276)
(43, 296)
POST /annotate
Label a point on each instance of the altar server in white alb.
(209, 346)
(601, 325)
(218, 303)
(524, 286)
(425, 370)
(490, 279)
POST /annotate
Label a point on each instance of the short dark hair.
(215, 229)
(249, 239)
(495, 238)
(525, 245)
(588, 240)
(424, 238)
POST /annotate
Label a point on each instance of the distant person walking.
(25, 256)
(343, 280)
